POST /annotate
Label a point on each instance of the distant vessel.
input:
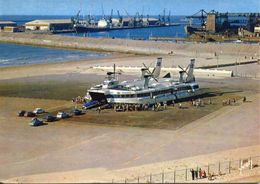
(110, 23)
(149, 89)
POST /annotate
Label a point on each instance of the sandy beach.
(93, 149)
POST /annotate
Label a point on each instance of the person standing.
(165, 106)
(200, 173)
(99, 110)
(196, 174)
(204, 175)
(192, 174)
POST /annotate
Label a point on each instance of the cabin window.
(196, 86)
(109, 96)
(184, 88)
(143, 94)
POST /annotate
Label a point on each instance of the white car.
(62, 115)
(38, 111)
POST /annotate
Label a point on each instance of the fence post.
(163, 177)
(150, 178)
(229, 166)
(174, 176)
(186, 174)
(251, 163)
(208, 169)
(219, 173)
(240, 166)
(138, 179)
(197, 171)
(125, 180)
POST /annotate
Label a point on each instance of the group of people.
(78, 99)
(229, 101)
(155, 107)
(199, 102)
(198, 174)
(139, 107)
(131, 107)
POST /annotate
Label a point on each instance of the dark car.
(29, 114)
(77, 112)
(21, 113)
(36, 122)
(50, 118)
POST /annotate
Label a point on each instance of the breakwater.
(132, 46)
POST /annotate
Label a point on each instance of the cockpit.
(108, 84)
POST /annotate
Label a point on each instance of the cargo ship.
(90, 24)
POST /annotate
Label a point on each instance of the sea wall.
(200, 73)
(131, 46)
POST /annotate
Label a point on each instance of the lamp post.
(217, 59)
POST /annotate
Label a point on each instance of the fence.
(247, 75)
(212, 171)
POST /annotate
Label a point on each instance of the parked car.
(21, 113)
(50, 118)
(38, 111)
(29, 114)
(77, 112)
(36, 122)
(62, 115)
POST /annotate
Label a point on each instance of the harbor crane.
(201, 15)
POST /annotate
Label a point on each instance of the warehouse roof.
(48, 22)
(7, 22)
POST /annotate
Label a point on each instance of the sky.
(151, 7)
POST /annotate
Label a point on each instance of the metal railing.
(212, 171)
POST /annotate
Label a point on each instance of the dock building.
(49, 25)
(9, 24)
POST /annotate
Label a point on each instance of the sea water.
(139, 33)
(16, 55)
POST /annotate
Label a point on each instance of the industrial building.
(7, 23)
(213, 22)
(49, 25)
(220, 22)
(257, 30)
(10, 29)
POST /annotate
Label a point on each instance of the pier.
(129, 46)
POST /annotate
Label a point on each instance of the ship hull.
(108, 96)
(85, 29)
(192, 30)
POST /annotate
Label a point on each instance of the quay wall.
(132, 46)
(200, 73)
